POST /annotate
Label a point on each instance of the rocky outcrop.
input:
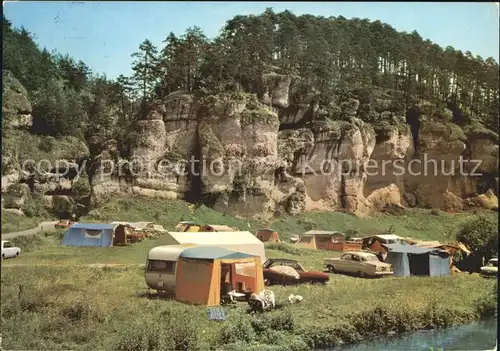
(393, 147)
(238, 139)
(430, 173)
(332, 164)
(277, 89)
(258, 156)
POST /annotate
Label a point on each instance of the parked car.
(8, 250)
(63, 223)
(491, 269)
(363, 264)
(274, 277)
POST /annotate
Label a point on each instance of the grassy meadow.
(12, 222)
(417, 223)
(53, 307)
(51, 299)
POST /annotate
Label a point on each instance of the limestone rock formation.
(258, 155)
(277, 89)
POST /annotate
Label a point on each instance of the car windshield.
(493, 264)
(371, 258)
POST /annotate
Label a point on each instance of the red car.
(274, 277)
(63, 223)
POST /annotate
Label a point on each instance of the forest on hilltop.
(324, 56)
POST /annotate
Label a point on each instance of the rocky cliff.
(280, 152)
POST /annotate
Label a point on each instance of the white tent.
(244, 242)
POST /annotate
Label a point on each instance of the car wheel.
(362, 274)
(17, 253)
(330, 269)
(267, 282)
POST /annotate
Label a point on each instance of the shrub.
(47, 143)
(320, 337)
(486, 306)
(283, 321)
(350, 233)
(159, 333)
(237, 329)
(435, 212)
(30, 208)
(481, 235)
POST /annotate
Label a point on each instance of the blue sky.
(105, 34)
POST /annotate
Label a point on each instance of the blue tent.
(409, 260)
(89, 234)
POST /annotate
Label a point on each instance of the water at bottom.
(470, 337)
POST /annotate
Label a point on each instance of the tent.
(320, 240)
(268, 236)
(187, 226)
(216, 228)
(89, 234)
(375, 242)
(409, 260)
(203, 271)
(244, 242)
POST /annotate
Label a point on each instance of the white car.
(8, 250)
(363, 264)
(491, 269)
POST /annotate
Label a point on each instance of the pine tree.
(145, 69)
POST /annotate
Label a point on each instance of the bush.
(81, 188)
(321, 337)
(487, 306)
(236, 329)
(481, 235)
(47, 143)
(159, 333)
(351, 233)
(435, 212)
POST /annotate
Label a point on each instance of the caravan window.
(161, 266)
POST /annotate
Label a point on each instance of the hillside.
(417, 223)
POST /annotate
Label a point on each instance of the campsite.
(73, 295)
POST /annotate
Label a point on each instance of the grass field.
(81, 308)
(418, 223)
(52, 300)
(14, 223)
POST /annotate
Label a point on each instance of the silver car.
(363, 264)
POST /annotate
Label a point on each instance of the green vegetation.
(260, 115)
(37, 147)
(208, 138)
(417, 223)
(481, 235)
(332, 58)
(63, 305)
(476, 130)
(446, 129)
(49, 293)
(14, 223)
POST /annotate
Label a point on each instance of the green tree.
(481, 236)
(145, 67)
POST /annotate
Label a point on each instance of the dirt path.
(42, 227)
